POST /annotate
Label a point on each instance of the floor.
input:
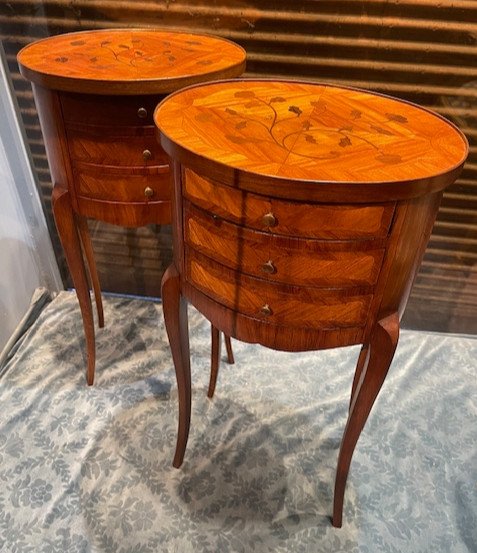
(88, 469)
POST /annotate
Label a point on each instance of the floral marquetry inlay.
(128, 56)
(310, 131)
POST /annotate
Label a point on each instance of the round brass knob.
(266, 310)
(269, 268)
(142, 113)
(146, 155)
(269, 220)
(148, 192)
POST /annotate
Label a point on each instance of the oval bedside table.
(301, 213)
(95, 93)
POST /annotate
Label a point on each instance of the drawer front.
(328, 222)
(126, 214)
(89, 109)
(280, 259)
(120, 146)
(122, 185)
(276, 303)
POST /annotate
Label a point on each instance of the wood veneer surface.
(310, 132)
(130, 61)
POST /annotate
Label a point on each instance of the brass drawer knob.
(269, 268)
(146, 155)
(269, 220)
(142, 113)
(148, 192)
(266, 310)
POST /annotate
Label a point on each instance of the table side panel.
(48, 103)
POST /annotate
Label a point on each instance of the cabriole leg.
(376, 364)
(176, 321)
(68, 233)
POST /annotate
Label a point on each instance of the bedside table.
(96, 92)
(301, 213)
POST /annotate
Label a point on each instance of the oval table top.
(334, 140)
(129, 61)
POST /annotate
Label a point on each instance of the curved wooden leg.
(382, 346)
(89, 253)
(68, 233)
(228, 347)
(362, 359)
(214, 360)
(175, 317)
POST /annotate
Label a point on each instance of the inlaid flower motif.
(295, 109)
(396, 117)
(244, 94)
(345, 141)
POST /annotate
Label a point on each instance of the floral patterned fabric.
(88, 469)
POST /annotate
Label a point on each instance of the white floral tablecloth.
(88, 469)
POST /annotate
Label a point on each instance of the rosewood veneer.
(95, 93)
(301, 213)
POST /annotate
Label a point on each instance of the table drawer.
(288, 218)
(90, 109)
(282, 259)
(122, 184)
(277, 303)
(123, 146)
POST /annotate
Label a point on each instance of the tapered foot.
(228, 347)
(175, 318)
(373, 366)
(214, 360)
(68, 233)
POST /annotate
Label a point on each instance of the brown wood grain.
(340, 222)
(295, 306)
(292, 260)
(262, 170)
(129, 149)
(327, 137)
(129, 61)
(96, 92)
(120, 184)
